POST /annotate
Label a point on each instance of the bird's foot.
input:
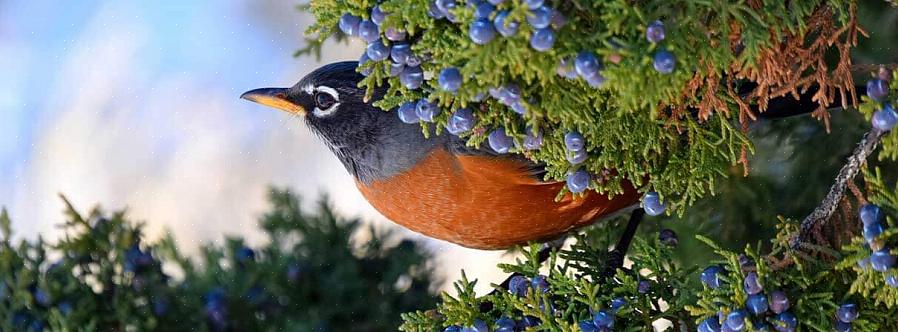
(616, 256)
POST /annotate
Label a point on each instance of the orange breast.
(484, 202)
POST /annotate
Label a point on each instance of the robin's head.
(371, 143)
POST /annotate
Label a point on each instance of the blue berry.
(664, 62)
(244, 255)
(644, 286)
(450, 79)
(892, 280)
(882, 260)
(566, 69)
(484, 10)
(519, 107)
(499, 141)
(587, 325)
(394, 34)
(710, 324)
(362, 61)
(885, 119)
(596, 80)
(294, 271)
(558, 19)
(752, 284)
(412, 77)
(603, 319)
(652, 204)
(528, 321)
(349, 24)
(864, 263)
(413, 61)
(377, 51)
(480, 96)
(578, 181)
(533, 141)
(41, 297)
(66, 308)
(509, 94)
(540, 17)
(539, 283)
(368, 31)
(378, 16)
(396, 69)
(533, 3)
(407, 113)
(877, 89)
(542, 39)
(577, 157)
(518, 285)
(447, 6)
(870, 214)
(479, 326)
(461, 121)
(506, 28)
(756, 304)
(452, 328)
(504, 324)
(586, 64)
(872, 231)
(435, 11)
(496, 2)
(735, 321)
(668, 237)
(400, 53)
(847, 312)
(711, 276)
(655, 32)
(573, 141)
(426, 110)
(617, 304)
(779, 302)
(840, 326)
(481, 31)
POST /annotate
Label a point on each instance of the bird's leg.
(616, 256)
(542, 256)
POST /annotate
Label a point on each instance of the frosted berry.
(586, 64)
(587, 325)
(577, 157)
(368, 31)
(882, 260)
(413, 61)
(400, 53)
(885, 119)
(533, 141)
(349, 24)
(652, 204)
(710, 276)
(778, 302)
(539, 283)
(892, 280)
(840, 326)
(644, 286)
(578, 181)
(362, 61)
(664, 62)
(244, 255)
(396, 69)
(540, 17)
(499, 141)
(378, 16)
(603, 319)
(870, 214)
(668, 237)
(483, 10)
(872, 231)
(735, 321)
(558, 19)
(407, 113)
(479, 326)
(542, 39)
(427, 110)
(481, 31)
(412, 77)
(505, 27)
(496, 2)
(751, 284)
(519, 107)
(504, 324)
(435, 11)
(450, 79)
(617, 304)
(478, 97)
(509, 94)
(461, 121)
(596, 80)
(864, 263)
(377, 51)
(533, 3)
(574, 141)
(446, 6)
(756, 304)
(655, 32)
(709, 325)
(847, 312)
(518, 285)
(877, 89)
(394, 34)
(566, 69)
(452, 328)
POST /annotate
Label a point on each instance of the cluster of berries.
(878, 89)
(764, 311)
(542, 19)
(404, 63)
(518, 286)
(882, 259)
(603, 320)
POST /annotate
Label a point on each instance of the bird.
(438, 186)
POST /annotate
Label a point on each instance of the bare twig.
(830, 203)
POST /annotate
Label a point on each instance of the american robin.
(438, 186)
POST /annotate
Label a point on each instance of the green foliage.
(310, 275)
(665, 148)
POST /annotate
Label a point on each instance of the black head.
(371, 143)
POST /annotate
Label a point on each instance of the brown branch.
(830, 203)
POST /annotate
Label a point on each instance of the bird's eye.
(324, 100)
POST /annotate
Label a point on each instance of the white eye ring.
(330, 110)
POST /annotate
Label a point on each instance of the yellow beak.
(274, 98)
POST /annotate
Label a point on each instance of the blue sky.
(133, 104)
